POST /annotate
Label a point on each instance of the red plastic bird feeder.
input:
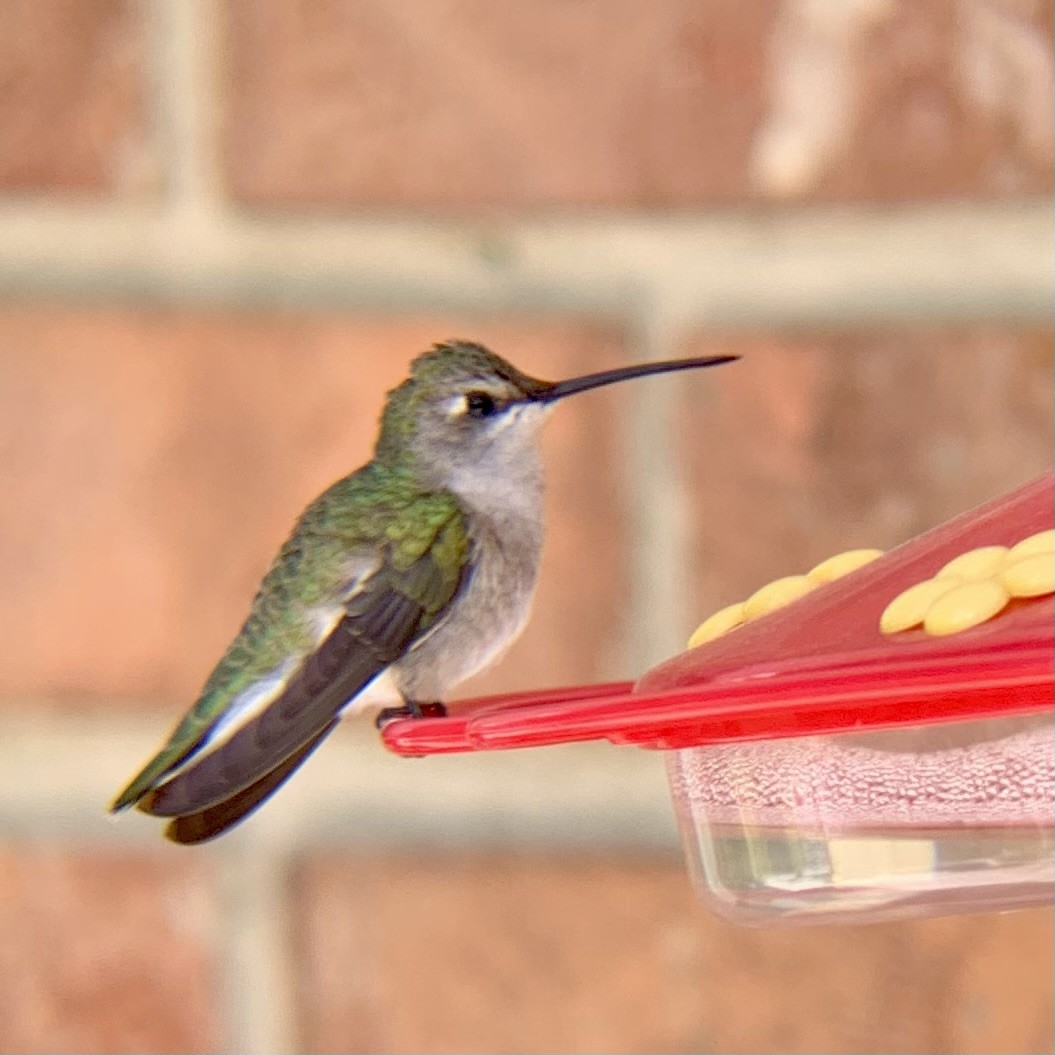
(823, 770)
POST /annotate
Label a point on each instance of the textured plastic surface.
(818, 666)
(822, 771)
(856, 827)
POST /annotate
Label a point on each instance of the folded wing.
(215, 784)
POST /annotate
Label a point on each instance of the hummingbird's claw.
(410, 709)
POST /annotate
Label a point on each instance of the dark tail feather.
(338, 669)
(208, 823)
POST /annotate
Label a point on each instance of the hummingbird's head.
(462, 410)
(466, 418)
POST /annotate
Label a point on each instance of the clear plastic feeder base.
(865, 827)
(827, 767)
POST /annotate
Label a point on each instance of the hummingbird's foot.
(410, 709)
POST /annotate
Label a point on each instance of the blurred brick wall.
(224, 229)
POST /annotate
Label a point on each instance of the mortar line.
(184, 52)
(659, 544)
(662, 597)
(61, 772)
(256, 959)
(949, 263)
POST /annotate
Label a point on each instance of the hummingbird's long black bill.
(560, 389)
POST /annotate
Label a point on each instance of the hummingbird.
(417, 569)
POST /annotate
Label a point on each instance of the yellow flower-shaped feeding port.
(974, 587)
(780, 592)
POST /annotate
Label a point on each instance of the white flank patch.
(250, 702)
(381, 692)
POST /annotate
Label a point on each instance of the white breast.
(492, 608)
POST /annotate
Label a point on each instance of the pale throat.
(503, 479)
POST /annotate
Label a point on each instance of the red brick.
(533, 954)
(104, 953)
(907, 101)
(816, 444)
(153, 464)
(72, 108)
(465, 103)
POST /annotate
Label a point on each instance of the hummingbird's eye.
(480, 404)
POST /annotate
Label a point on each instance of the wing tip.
(139, 791)
(140, 788)
(133, 796)
(127, 798)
